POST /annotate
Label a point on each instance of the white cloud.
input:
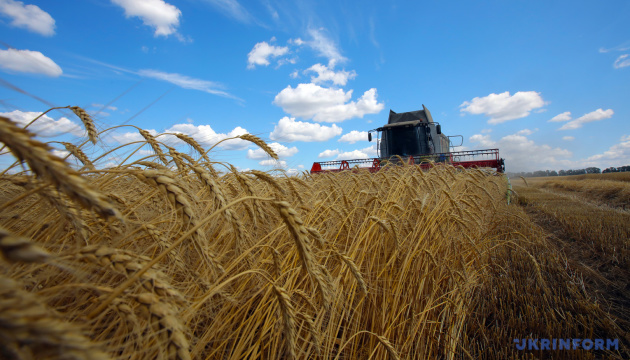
(45, 125)
(324, 46)
(161, 16)
(325, 104)
(232, 8)
(596, 115)
(207, 137)
(290, 130)
(524, 132)
(187, 82)
(523, 154)
(368, 152)
(486, 131)
(295, 74)
(325, 74)
(129, 137)
(28, 61)
(204, 134)
(484, 140)
(29, 17)
(568, 138)
(616, 155)
(281, 150)
(622, 61)
(329, 153)
(565, 116)
(504, 107)
(261, 53)
(354, 136)
(298, 42)
(622, 47)
(274, 163)
(60, 153)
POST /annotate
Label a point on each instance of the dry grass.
(399, 264)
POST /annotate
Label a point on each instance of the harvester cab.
(410, 133)
(414, 138)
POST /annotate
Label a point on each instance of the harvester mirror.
(369, 136)
(438, 128)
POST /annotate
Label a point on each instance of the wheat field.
(178, 256)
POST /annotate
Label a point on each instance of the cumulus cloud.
(207, 137)
(616, 155)
(326, 74)
(596, 115)
(45, 125)
(310, 101)
(354, 136)
(523, 154)
(204, 134)
(565, 116)
(29, 17)
(158, 14)
(133, 136)
(28, 61)
(368, 152)
(525, 132)
(568, 138)
(274, 163)
(622, 61)
(290, 130)
(484, 140)
(261, 53)
(329, 153)
(504, 107)
(281, 150)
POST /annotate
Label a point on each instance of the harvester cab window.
(402, 141)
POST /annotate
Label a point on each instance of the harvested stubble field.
(179, 257)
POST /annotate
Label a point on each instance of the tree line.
(588, 170)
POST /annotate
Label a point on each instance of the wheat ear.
(26, 321)
(194, 144)
(79, 154)
(19, 249)
(299, 232)
(167, 324)
(288, 319)
(261, 144)
(87, 121)
(154, 144)
(52, 168)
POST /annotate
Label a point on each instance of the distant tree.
(562, 173)
(593, 170)
(552, 173)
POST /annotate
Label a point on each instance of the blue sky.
(547, 83)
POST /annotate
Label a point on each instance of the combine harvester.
(414, 138)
